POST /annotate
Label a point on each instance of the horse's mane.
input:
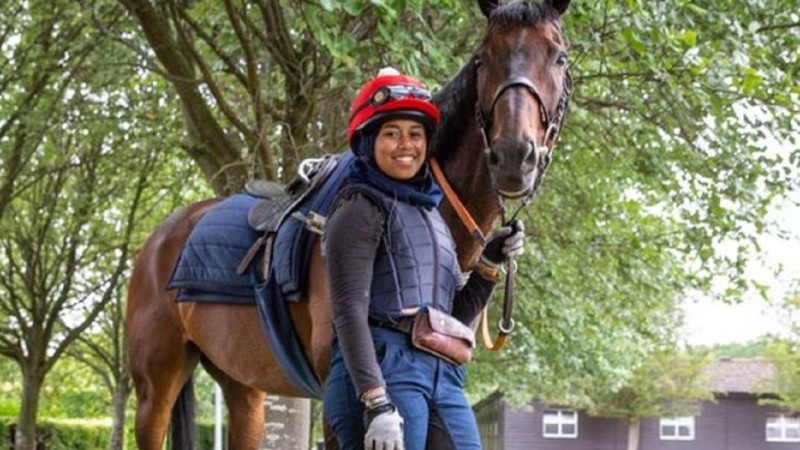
(456, 102)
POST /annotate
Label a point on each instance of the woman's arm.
(352, 235)
(472, 298)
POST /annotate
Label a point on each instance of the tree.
(665, 385)
(105, 353)
(755, 348)
(260, 82)
(73, 151)
(68, 230)
(785, 383)
(43, 47)
(53, 284)
(39, 62)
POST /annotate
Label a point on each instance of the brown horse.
(501, 115)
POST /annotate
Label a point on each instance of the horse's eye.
(562, 59)
(478, 62)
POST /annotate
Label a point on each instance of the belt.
(403, 324)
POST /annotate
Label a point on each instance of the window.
(783, 428)
(677, 429)
(560, 424)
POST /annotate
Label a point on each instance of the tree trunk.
(25, 438)
(634, 429)
(287, 424)
(121, 394)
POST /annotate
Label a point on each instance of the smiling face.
(400, 148)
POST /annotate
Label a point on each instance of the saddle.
(277, 203)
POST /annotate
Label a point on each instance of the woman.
(390, 257)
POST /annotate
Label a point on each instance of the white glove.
(384, 430)
(504, 243)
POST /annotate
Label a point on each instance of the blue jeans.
(424, 388)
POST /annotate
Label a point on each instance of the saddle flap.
(267, 213)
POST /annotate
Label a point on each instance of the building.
(735, 421)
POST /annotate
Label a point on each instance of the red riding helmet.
(391, 95)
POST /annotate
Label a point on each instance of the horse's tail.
(182, 421)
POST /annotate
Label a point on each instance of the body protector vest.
(416, 264)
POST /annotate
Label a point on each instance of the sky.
(708, 322)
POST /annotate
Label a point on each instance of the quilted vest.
(416, 265)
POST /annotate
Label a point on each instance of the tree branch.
(229, 63)
(201, 122)
(776, 27)
(277, 37)
(208, 78)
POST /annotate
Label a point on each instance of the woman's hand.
(504, 243)
(384, 428)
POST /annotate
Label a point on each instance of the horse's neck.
(458, 146)
(468, 175)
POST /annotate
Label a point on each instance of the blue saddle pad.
(206, 269)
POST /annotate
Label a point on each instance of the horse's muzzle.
(513, 166)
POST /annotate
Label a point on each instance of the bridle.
(553, 126)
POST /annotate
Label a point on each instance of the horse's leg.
(245, 410)
(161, 361)
(159, 378)
(161, 357)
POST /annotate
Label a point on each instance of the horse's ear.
(487, 6)
(559, 5)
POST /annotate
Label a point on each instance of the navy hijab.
(421, 190)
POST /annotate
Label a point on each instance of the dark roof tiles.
(738, 375)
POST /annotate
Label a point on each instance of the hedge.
(90, 434)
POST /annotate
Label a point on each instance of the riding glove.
(384, 428)
(504, 243)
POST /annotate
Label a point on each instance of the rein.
(455, 202)
(553, 130)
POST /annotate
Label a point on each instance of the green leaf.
(328, 5)
(752, 80)
(635, 43)
(689, 37)
(353, 7)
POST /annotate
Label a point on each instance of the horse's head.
(523, 91)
